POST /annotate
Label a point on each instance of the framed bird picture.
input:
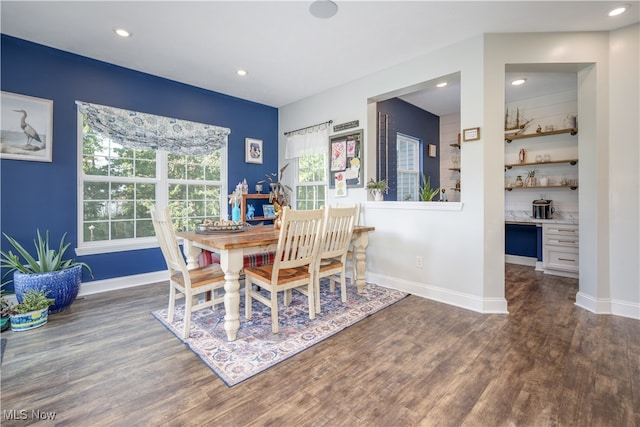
(26, 127)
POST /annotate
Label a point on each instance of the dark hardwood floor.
(108, 362)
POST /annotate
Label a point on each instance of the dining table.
(233, 246)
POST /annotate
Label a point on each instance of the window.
(120, 185)
(311, 185)
(408, 158)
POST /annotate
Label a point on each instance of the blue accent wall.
(412, 121)
(39, 195)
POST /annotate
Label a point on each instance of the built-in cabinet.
(560, 248)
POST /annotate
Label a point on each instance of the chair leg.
(274, 311)
(286, 298)
(247, 299)
(316, 286)
(312, 298)
(188, 302)
(343, 286)
(172, 301)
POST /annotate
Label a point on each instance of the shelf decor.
(471, 134)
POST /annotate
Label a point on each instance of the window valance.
(137, 130)
(307, 142)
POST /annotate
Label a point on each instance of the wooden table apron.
(232, 247)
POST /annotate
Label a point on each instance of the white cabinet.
(560, 246)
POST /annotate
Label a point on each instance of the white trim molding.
(99, 286)
(608, 306)
(446, 296)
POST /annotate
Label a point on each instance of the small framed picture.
(471, 134)
(432, 150)
(268, 211)
(253, 150)
(27, 128)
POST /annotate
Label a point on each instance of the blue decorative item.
(235, 212)
(251, 211)
(30, 320)
(63, 286)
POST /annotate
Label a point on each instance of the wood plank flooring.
(108, 362)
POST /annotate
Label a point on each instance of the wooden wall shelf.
(550, 162)
(572, 131)
(573, 187)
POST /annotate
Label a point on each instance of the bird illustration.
(27, 128)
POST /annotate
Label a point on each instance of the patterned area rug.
(257, 348)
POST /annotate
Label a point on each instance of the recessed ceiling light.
(619, 10)
(518, 82)
(122, 32)
(241, 72)
(443, 84)
(323, 8)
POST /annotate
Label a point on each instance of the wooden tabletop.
(257, 235)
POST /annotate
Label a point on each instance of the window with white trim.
(120, 183)
(408, 167)
(311, 183)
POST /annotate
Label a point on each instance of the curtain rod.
(308, 127)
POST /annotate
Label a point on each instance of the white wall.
(624, 178)
(463, 243)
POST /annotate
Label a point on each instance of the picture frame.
(268, 211)
(253, 150)
(27, 127)
(432, 150)
(471, 134)
(346, 159)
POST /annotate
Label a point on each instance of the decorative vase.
(531, 181)
(30, 320)
(63, 286)
(544, 181)
(377, 195)
(235, 212)
(277, 223)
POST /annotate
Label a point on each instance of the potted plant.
(426, 192)
(376, 188)
(277, 193)
(32, 312)
(531, 178)
(46, 271)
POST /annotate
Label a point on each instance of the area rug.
(256, 347)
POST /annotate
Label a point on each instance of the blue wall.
(38, 195)
(413, 121)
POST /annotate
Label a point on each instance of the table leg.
(360, 246)
(231, 262)
(192, 253)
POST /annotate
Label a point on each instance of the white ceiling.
(289, 54)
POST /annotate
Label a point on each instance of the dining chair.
(293, 266)
(337, 230)
(183, 282)
(351, 254)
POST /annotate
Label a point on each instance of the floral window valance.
(137, 130)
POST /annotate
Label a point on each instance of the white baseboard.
(521, 260)
(98, 286)
(446, 296)
(608, 306)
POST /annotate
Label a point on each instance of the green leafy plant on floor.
(426, 192)
(47, 259)
(32, 300)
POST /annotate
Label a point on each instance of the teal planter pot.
(30, 320)
(63, 286)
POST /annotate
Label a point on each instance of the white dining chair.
(293, 266)
(337, 231)
(183, 282)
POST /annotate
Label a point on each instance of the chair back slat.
(299, 239)
(337, 231)
(166, 235)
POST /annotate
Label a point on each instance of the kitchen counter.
(524, 217)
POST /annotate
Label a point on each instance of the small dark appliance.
(543, 209)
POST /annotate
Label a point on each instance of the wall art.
(253, 150)
(27, 128)
(346, 159)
